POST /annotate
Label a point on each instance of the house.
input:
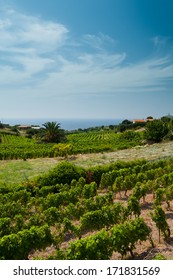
(139, 121)
(23, 127)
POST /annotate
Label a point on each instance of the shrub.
(63, 173)
(156, 131)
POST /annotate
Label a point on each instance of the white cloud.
(108, 74)
(100, 41)
(17, 30)
(102, 61)
(27, 43)
(35, 54)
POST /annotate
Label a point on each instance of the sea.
(66, 124)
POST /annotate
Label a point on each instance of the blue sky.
(86, 58)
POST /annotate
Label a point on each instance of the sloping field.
(52, 206)
(16, 171)
(148, 152)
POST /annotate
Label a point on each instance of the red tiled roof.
(141, 121)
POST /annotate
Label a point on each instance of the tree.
(150, 118)
(1, 125)
(126, 124)
(155, 131)
(169, 123)
(167, 118)
(52, 133)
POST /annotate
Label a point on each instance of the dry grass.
(148, 152)
(16, 171)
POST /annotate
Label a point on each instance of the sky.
(86, 58)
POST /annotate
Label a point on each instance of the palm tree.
(52, 132)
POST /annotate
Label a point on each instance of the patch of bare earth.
(144, 250)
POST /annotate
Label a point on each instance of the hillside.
(60, 207)
(148, 152)
(16, 171)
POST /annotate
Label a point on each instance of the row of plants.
(70, 201)
(20, 147)
(103, 141)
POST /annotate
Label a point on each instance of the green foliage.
(122, 239)
(94, 142)
(52, 133)
(159, 257)
(70, 206)
(19, 147)
(18, 246)
(126, 124)
(159, 217)
(104, 217)
(4, 226)
(133, 206)
(130, 136)
(156, 131)
(62, 150)
(124, 236)
(42, 144)
(53, 215)
(63, 173)
(159, 194)
(96, 247)
(89, 190)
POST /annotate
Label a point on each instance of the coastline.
(67, 124)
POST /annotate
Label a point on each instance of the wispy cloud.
(36, 52)
(160, 42)
(27, 43)
(19, 30)
(99, 42)
(88, 76)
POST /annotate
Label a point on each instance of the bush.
(62, 150)
(63, 173)
(156, 131)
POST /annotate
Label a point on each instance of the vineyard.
(104, 212)
(20, 147)
(94, 142)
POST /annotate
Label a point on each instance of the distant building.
(36, 127)
(139, 121)
(23, 127)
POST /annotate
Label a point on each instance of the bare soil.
(143, 250)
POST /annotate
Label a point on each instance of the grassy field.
(13, 172)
